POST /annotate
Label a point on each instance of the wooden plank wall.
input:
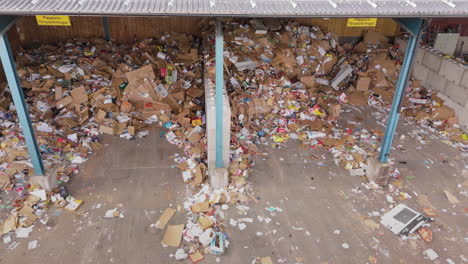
(84, 27)
(122, 29)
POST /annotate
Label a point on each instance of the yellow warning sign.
(362, 22)
(53, 20)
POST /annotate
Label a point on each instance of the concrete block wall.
(210, 110)
(444, 75)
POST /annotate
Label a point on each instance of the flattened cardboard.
(131, 130)
(140, 85)
(357, 98)
(172, 102)
(334, 112)
(173, 235)
(198, 176)
(195, 92)
(8, 224)
(58, 93)
(101, 114)
(202, 207)
(45, 86)
(107, 129)
(125, 107)
(140, 74)
(266, 260)
(360, 47)
(4, 181)
(79, 95)
(309, 81)
(363, 84)
(193, 136)
(442, 113)
(374, 37)
(165, 217)
(55, 72)
(28, 212)
(64, 102)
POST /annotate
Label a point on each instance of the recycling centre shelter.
(125, 20)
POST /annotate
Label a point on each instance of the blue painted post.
(219, 93)
(414, 27)
(106, 29)
(18, 99)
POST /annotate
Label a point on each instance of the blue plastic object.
(219, 93)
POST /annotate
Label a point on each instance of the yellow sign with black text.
(362, 22)
(53, 21)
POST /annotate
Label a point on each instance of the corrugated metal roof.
(251, 8)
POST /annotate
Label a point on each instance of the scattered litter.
(431, 254)
(32, 244)
(403, 221)
(23, 232)
(113, 213)
(452, 199)
(242, 226)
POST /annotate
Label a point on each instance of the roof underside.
(250, 8)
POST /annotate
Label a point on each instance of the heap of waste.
(290, 82)
(284, 82)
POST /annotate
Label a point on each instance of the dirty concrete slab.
(134, 176)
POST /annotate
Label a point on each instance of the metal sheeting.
(250, 8)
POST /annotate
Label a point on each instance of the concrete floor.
(136, 176)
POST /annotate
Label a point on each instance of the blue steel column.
(414, 27)
(219, 93)
(105, 24)
(18, 99)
